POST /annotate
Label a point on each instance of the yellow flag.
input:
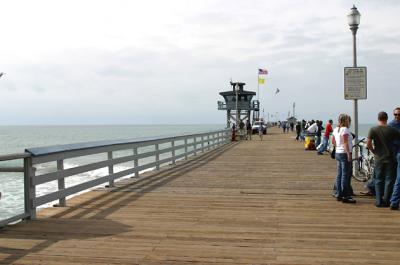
(261, 81)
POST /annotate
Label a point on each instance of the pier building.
(238, 104)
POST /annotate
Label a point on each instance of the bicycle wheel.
(369, 168)
(362, 175)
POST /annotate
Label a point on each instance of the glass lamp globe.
(354, 17)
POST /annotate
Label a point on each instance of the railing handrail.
(46, 150)
(14, 156)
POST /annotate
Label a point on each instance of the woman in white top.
(342, 140)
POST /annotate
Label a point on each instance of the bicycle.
(364, 162)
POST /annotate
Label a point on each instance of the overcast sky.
(141, 62)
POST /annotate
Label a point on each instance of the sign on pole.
(355, 83)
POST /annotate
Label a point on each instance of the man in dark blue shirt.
(394, 201)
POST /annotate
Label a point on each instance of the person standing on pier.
(303, 130)
(319, 133)
(380, 141)
(249, 130)
(241, 130)
(395, 123)
(260, 131)
(313, 127)
(298, 131)
(325, 140)
(342, 139)
(284, 127)
(233, 132)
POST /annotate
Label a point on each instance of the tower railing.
(221, 105)
(255, 105)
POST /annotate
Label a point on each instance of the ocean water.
(363, 130)
(15, 139)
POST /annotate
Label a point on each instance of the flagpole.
(258, 87)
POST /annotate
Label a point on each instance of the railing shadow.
(55, 230)
(70, 224)
(140, 187)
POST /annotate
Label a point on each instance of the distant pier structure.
(239, 104)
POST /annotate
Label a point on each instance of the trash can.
(309, 141)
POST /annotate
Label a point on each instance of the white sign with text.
(355, 83)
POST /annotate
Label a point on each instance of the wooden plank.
(255, 202)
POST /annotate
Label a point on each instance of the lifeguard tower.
(238, 104)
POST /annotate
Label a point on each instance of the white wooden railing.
(141, 154)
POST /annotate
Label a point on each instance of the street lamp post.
(354, 20)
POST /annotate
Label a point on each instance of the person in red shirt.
(325, 140)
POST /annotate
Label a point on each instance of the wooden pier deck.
(249, 203)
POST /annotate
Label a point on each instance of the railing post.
(136, 161)
(202, 144)
(195, 145)
(110, 169)
(173, 151)
(61, 183)
(186, 149)
(157, 157)
(213, 140)
(29, 189)
(208, 142)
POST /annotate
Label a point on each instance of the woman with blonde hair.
(342, 140)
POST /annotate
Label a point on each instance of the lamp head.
(353, 18)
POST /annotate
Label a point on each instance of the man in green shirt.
(381, 142)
